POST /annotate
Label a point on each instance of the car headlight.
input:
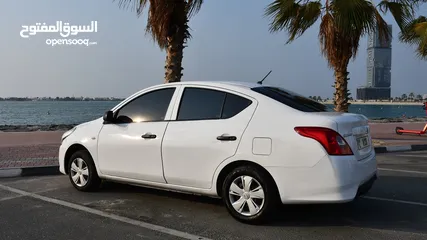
(67, 133)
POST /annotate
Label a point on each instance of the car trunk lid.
(354, 128)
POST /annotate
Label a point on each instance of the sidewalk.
(29, 149)
(34, 149)
(384, 134)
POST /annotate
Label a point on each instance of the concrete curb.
(29, 171)
(403, 148)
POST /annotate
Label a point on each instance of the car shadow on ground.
(363, 213)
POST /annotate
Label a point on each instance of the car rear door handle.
(149, 136)
(226, 138)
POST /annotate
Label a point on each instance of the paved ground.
(28, 149)
(396, 208)
(385, 134)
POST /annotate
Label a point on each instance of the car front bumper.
(61, 158)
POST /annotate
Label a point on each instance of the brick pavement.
(385, 135)
(29, 149)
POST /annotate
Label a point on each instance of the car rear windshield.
(291, 99)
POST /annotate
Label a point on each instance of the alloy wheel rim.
(79, 172)
(246, 196)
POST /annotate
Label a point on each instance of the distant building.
(378, 81)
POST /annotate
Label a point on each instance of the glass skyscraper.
(378, 81)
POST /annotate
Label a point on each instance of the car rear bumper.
(332, 180)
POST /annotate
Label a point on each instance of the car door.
(208, 127)
(131, 146)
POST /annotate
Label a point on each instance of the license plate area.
(362, 142)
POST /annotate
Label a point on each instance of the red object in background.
(400, 130)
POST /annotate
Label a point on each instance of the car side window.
(149, 107)
(201, 104)
(233, 105)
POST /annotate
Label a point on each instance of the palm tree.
(343, 23)
(415, 33)
(404, 97)
(411, 96)
(168, 25)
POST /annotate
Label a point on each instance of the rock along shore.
(65, 127)
(33, 128)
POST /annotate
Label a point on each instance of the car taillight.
(332, 141)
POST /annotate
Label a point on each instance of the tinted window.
(291, 99)
(151, 106)
(200, 103)
(233, 105)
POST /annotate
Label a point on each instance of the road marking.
(24, 195)
(10, 198)
(399, 170)
(396, 201)
(146, 225)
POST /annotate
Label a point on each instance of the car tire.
(254, 209)
(82, 172)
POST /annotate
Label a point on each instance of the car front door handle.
(226, 138)
(149, 136)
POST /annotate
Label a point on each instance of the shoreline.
(330, 102)
(66, 127)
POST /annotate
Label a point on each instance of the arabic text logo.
(64, 29)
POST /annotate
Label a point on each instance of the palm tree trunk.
(175, 45)
(341, 91)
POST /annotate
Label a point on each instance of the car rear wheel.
(249, 195)
(82, 172)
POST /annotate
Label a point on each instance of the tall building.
(378, 82)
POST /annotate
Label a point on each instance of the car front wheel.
(82, 172)
(249, 195)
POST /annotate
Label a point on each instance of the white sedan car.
(254, 146)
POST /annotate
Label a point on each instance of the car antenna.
(260, 82)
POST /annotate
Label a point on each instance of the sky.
(231, 42)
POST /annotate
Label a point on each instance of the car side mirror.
(108, 117)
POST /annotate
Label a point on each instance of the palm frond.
(293, 17)
(354, 16)
(193, 7)
(306, 16)
(160, 15)
(422, 48)
(415, 33)
(137, 5)
(402, 10)
(421, 28)
(165, 17)
(328, 37)
(281, 13)
(408, 33)
(353, 19)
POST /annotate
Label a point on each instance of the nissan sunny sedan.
(252, 145)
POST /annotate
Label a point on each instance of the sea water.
(75, 112)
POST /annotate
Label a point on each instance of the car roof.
(224, 84)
